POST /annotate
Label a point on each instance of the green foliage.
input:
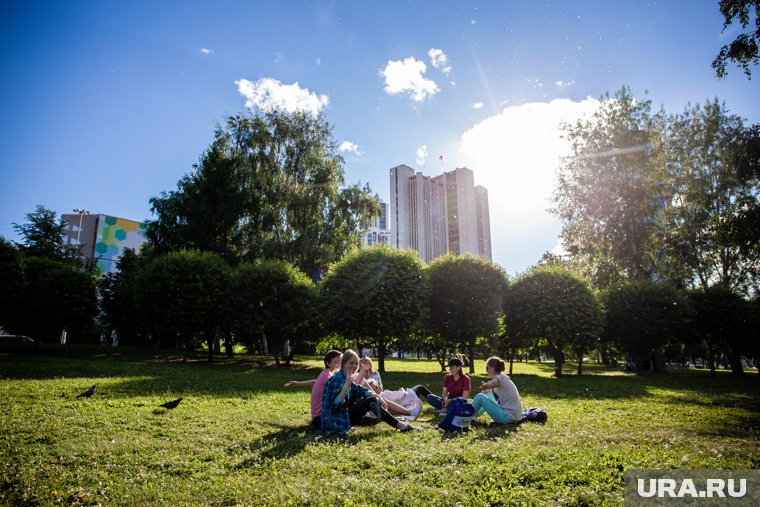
(466, 299)
(43, 235)
(553, 304)
(182, 296)
(238, 438)
(11, 279)
(609, 193)
(712, 231)
(55, 295)
(118, 300)
(643, 316)
(374, 295)
(743, 49)
(270, 186)
(724, 321)
(270, 302)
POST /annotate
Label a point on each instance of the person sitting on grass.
(455, 385)
(498, 397)
(332, 364)
(344, 402)
(398, 403)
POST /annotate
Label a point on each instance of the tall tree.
(56, 295)
(270, 186)
(43, 235)
(375, 296)
(118, 300)
(642, 317)
(271, 301)
(743, 49)
(609, 193)
(11, 280)
(554, 304)
(712, 227)
(724, 321)
(182, 297)
(466, 300)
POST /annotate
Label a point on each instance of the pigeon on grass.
(171, 404)
(87, 394)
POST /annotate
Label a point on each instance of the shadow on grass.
(286, 442)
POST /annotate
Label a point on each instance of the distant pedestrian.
(114, 338)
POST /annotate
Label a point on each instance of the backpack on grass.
(537, 415)
(458, 416)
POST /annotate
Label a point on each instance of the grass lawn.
(238, 438)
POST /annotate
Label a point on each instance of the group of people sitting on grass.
(350, 392)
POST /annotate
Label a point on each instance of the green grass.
(240, 439)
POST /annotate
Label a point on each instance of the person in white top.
(498, 397)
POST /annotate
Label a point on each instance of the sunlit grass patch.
(238, 437)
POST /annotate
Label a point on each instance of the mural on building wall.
(114, 236)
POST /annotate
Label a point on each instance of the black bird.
(88, 393)
(171, 404)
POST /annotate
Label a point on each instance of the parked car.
(7, 338)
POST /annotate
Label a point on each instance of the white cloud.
(564, 84)
(439, 60)
(349, 146)
(515, 155)
(207, 51)
(407, 77)
(267, 94)
(422, 154)
(477, 105)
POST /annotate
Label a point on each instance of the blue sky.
(106, 104)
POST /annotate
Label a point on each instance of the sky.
(105, 104)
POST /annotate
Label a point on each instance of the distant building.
(378, 231)
(102, 239)
(440, 214)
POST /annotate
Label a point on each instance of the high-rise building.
(102, 239)
(483, 221)
(378, 231)
(440, 214)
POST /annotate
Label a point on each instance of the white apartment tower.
(440, 214)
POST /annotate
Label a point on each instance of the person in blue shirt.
(344, 403)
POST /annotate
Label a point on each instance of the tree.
(270, 186)
(118, 299)
(642, 317)
(743, 50)
(712, 219)
(181, 296)
(11, 280)
(723, 321)
(43, 235)
(466, 300)
(271, 301)
(556, 305)
(374, 295)
(609, 193)
(56, 295)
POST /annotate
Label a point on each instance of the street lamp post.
(82, 213)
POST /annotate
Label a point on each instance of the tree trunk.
(381, 356)
(580, 364)
(711, 358)
(659, 360)
(559, 358)
(735, 361)
(210, 342)
(471, 355)
(511, 361)
(228, 344)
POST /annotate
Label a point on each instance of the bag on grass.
(534, 414)
(458, 416)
